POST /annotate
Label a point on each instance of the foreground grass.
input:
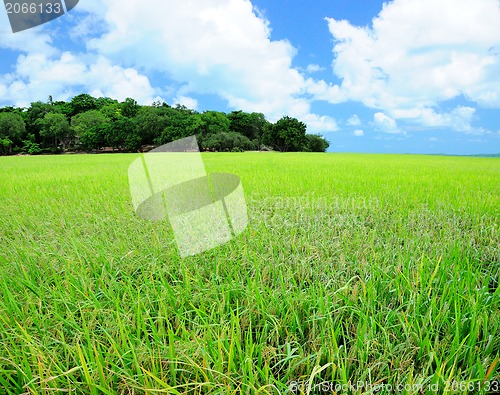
(369, 269)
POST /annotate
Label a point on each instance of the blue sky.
(407, 76)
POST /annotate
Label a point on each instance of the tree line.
(91, 124)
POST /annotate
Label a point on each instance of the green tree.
(288, 134)
(111, 111)
(227, 141)
(129, 108)
(82, 103)
(90, 129)
(9, 109)
(250, 125)
(214, 122)
(100, 102)
(122, 134)
(63, 108)
(30, 146)
(55, 127)
(34, 116)
(12, 128)
(316, 143)
(180, 122)
(151, 121)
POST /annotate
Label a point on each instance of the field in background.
(369, 269)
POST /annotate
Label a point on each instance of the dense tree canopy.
(86, 123)
(55, 127)
(11, 129)
(90, 128)
(288, 134)
(316, 143)
(249, 125)
(82, 103)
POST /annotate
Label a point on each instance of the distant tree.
(250, 125)
(316, 143)
(63, 108)
(111, 111)
(82, 103)
(259, 123)
(180, 122)
(9, 109)
(151, 121)
(55, 127)
(288, 134)
(30, 146)
(122, 134)
(227, 141)
(214, 122)
(34, 116)
(5, 145)
(90, 129)
(12, 127)
(100, 102)
(159, 104)
(129, 108)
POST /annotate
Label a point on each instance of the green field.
(371, 269)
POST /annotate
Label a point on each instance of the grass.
(368, 270)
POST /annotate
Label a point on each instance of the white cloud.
(319, 123)
(27, 41)
(359, 133)
(417, 54)
(322, 90)
(385, 123)
(187, 101)
(37, 76)
(118, 82)
(459, 119)
(354, 121)
(42, 69)
(314, 68)
(214, 46)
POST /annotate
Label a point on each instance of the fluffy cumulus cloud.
(418, 54)
(37, 76)
(314, 68)
(385, 123)
(33, 40)
(42, 69)
(187, 101)
(354, 120)
(359, 133)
